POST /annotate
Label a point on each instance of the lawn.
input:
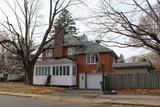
(140, 91)
(22, 88)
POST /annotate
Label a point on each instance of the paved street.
(13, 101)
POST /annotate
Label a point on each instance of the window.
(40, 73)
(71, 51)
(60, 70)
(37, 71)
(49, 53)
(64, 70)
(53, 71)
(57, 70)
(91, 59)
(43, 72)
(67, 70)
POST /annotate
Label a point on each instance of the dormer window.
(49, 53)
(71, 50)
(91, 59)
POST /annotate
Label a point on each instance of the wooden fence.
(132, 81)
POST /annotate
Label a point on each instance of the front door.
(82, 80)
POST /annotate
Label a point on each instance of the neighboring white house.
(9, 76)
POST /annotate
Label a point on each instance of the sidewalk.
(94, 98)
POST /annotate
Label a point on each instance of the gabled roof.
(132, 65)
(55, 61)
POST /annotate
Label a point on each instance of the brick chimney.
(59, 37)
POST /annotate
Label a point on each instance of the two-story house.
(74, 61)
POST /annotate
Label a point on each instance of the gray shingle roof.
(69, 39)
(132, 65)
(86, 46)
(55, 61)
(92, 47)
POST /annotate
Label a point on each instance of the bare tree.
(136, 20)
(139, 58)
(150, 56)
(9, 62)
(21, 36)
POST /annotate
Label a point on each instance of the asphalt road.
(14, 101)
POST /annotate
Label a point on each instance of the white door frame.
(82, 80)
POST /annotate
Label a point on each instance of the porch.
(62, 71)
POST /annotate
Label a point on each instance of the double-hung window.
(49, 53)
(91, 59)
(71, 50)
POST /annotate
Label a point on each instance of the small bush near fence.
(133, 81)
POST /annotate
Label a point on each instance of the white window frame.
(49, 52)
(61, 70)
(91, 59)
(71, 50)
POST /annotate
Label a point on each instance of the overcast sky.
(92, 7)
(79, 12)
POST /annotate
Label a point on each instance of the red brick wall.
(65, 51)
(106, 60)
(59, 36)
(105, 63)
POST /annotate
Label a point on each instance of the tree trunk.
(29, 74)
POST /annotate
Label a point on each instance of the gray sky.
(79, 11)
(92, 7)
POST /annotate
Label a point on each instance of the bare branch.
(143, 32)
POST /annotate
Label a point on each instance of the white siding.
(64, 80)
(39, 80)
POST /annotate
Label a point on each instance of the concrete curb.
(72, 99)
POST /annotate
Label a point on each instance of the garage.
(93, 80)
(90, 80)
